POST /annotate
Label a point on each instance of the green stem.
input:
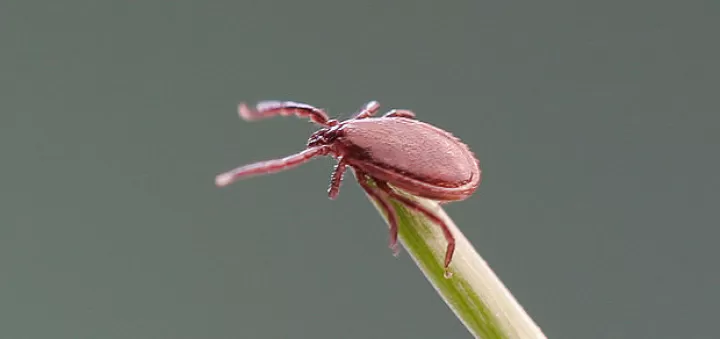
(474, 293)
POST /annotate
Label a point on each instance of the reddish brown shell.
(412, 155)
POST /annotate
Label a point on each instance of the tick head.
(325, 136)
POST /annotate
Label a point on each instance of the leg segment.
(266, 109)
(270, 166)
(386, 206)
(400, 113)
(419, 208)
(369, 110)
(336, 178)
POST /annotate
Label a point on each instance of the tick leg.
(336, 178)
(381, 198)
(400, 113)
(267, 109)
(369, 110)
(419, 208)
(270, 166)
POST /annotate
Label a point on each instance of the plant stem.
(474, 293)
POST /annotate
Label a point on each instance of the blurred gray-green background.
(596, 124)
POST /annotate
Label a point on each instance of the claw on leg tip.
(223, 180)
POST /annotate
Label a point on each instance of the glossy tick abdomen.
(411, 155)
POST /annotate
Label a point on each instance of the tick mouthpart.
(325, 136)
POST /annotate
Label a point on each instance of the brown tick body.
(395, 151)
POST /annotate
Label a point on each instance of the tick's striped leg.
(419, 208)
(267, 109)
(400, 113)
(385, 205)
(369, 110)
(270, 166)
(336, 178)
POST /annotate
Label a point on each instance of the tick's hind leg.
(419, 208)
(336, 179)
(400, 113)
(386, 206)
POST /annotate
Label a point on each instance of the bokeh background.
(596, 124)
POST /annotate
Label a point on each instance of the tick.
(395, 151)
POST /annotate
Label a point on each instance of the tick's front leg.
(266, 109)
(270, 166)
